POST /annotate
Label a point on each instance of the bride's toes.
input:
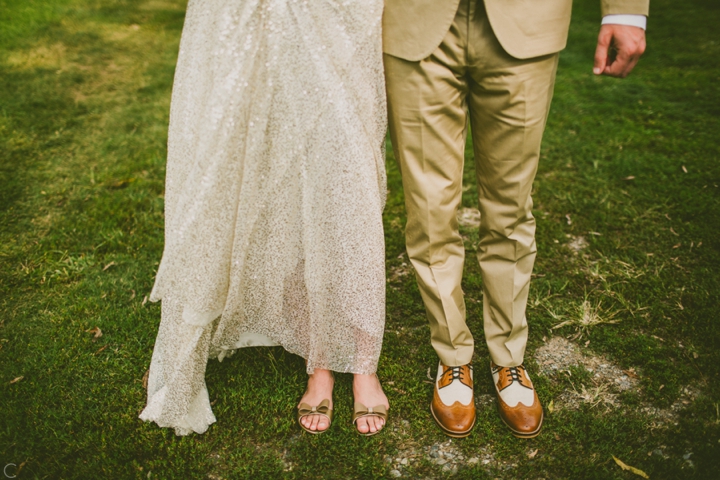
(315, 422)
(379, 423)
(372, 428)
(362, 425)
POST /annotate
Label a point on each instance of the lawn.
(624, 340)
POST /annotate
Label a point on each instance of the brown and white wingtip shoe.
(453, 403)
(518, 403)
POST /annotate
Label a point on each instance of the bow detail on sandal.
(322, 409)
(361, 410)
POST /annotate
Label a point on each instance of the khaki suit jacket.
(413, 29)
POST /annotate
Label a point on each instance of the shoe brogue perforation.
(453, 408)
(518, 403)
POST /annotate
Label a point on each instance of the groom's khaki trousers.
(507, 102)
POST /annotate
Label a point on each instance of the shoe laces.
(514, 375)
(456, 373)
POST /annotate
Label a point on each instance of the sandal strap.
(322, 409)
(361, 410)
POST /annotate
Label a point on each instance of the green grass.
(84, 97)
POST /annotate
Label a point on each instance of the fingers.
(602, 51)
(627, 41)
(622, 65)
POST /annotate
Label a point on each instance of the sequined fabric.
(275, 189)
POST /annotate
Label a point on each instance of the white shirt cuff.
(631, 20)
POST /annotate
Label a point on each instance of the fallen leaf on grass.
(16, 379)
(96, 331)
(630, 372)
(533, 453)
(101, 349)
(631, 177)
(121, 183)
(684, 169)
(428, 375)
(108, 266)
(144, 300)
(634, 470)
(145, 379)
(133, 294)
(551, 406)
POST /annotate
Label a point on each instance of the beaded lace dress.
(274, 194)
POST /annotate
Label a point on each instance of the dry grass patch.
(608, 380)
(51, 57)
(585, 316)
(559, 354)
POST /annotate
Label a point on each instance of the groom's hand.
(618, 50)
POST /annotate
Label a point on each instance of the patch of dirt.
(469, 217)
(663, 416)
(608, 380)
(399, 271)
(559, 353)
(484, 400)
(442, 454)
(577, 244)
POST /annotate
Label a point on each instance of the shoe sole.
(451, 433)
(517, 434)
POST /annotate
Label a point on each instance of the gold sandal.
(361, 410)
(323, 409)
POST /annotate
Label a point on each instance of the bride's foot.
(319, 387)
(368, 391)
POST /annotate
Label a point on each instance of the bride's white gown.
(275, 189)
